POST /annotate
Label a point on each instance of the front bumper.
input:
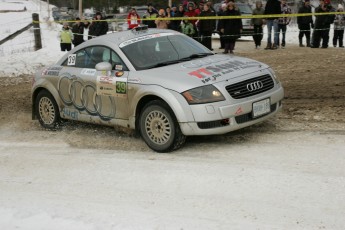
(224, 117)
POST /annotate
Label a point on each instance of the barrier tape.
(211, 17)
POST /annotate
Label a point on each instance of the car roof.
(118, 37)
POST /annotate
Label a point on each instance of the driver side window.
(91, 56)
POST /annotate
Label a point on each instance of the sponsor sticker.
(89, 72)
(110, 86)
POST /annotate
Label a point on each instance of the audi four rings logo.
(254, 86)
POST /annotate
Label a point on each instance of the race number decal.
(121, 87)
(71, 59)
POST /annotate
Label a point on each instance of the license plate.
(261, 107)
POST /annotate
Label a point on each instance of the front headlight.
(203, 94)
(274, 75)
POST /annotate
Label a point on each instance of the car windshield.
(162, 49)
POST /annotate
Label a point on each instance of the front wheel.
(159, 127)
(47, 110)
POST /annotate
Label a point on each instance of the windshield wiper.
(165, 63)
(193, 56)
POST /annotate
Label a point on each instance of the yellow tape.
(213, 17)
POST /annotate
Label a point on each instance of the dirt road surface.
(286, 173)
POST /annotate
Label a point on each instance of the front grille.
(240, 89)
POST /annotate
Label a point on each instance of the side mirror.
(103, 66)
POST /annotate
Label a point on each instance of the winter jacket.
(162, 24)
(207, 25)
(272, 7)
(187, 29)
(285, 9)
(324, 21)
(258, 21)
(232, 27)
(151, 15)
(78, 33)
(66, 36)
(339, 22)
(98, 28)
(133, 20)
(304, 20)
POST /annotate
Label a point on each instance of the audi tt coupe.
(161, 83)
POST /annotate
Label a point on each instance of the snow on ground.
(284, 180)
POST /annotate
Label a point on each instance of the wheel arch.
(53, 92)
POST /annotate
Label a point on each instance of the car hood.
(198, 72)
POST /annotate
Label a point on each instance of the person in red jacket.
(192, 13)
(133, 19)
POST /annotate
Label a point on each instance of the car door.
(99, 96)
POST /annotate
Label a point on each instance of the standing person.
(272, 7)
(339, 26)
(231, 28)
(133, 19)
(162, 24)
(179, 13)
(86, 30)
(151, 14)
(192, 13)
(258, 24)
(78, 32)
(283, 22)
(187, 27)
(207, 26)
(66, 37)
(322, 24)
(99, 26)
(221, 12)
(305, 23)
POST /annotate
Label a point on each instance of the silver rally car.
(161, 83)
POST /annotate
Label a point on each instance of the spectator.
(322, 24)
(78, 32)
(201, 7)
(258, 24)
(304, 23)
(162, 24)
(206, 27)
(66, 37)
(175, 24)
(272, 7)
(99, 26)
(191, 13)
(151, 14)
(187, 27)
(339, 26)
(231, 28)
(87, 30)
(283, 22)
(221, 12)
(133, 19)
(168, 12)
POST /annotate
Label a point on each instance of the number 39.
(121, 87)
(71, 59)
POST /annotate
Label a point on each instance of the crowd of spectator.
(177, 17)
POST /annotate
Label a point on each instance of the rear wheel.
(159, 127)
(47, 110)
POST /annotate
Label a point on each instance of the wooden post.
(37, 31)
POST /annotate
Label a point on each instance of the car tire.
(159, 127)
(47, 110)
